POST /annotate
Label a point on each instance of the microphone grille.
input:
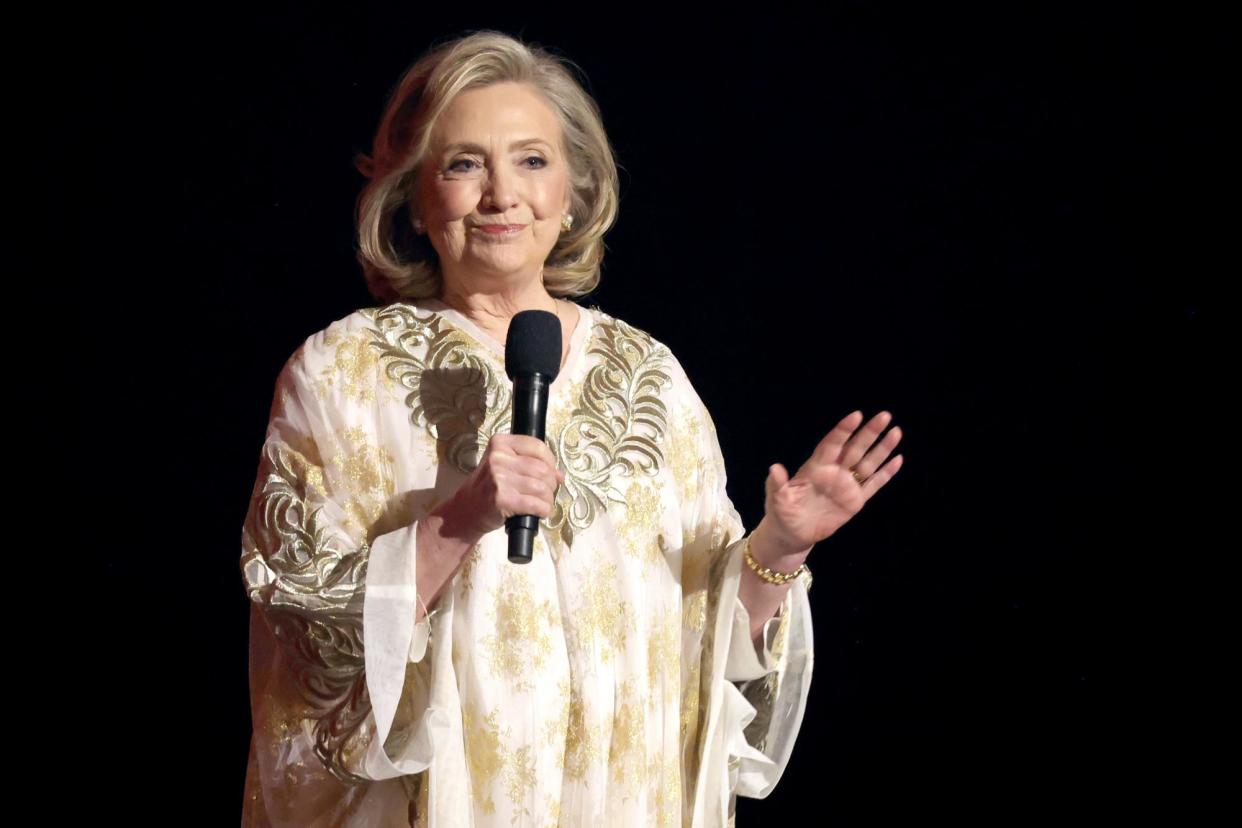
(533, 344)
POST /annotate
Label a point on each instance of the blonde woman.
(653, 660)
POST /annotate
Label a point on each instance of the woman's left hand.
(824, 494)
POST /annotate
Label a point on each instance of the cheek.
(452, 200)
(548, 198)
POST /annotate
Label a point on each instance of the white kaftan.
(610, 682)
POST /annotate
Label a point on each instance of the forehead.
(496, 111)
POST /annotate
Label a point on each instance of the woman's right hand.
(517, 475)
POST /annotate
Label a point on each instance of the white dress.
(610, 682)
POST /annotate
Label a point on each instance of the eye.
(454, 166)
(542, 162)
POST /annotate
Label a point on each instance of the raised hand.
(845, 470)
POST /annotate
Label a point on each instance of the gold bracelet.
(769, 575)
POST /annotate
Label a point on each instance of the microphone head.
(533, 345)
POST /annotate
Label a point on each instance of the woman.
(653, 660)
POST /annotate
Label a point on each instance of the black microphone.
(532, 361)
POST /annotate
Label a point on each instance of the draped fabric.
(612, 681)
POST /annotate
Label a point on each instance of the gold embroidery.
(552, 818)
(642, 519)
(365, 474)
(309, 580)
(602, 618)
(627, 748)
(709, 651)
(459, 393)
(521, 643)
(583, 742)
(484, 755)
(664, 653)
(352, 369)
(455, 392)
(519, 781)
(664, 790)
(690, 700)
(684, 459)
(616, 426)
(489, 756)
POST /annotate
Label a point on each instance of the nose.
(500, 190)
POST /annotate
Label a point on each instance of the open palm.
(824, 494)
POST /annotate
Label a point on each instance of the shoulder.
(339, 354)
(650, 362)
(634, 344)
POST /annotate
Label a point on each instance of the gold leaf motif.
(309, 580)
(455, 390)
(615, 428)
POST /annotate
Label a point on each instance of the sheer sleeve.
(750, 703)
(340, 681)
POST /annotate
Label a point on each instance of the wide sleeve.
(751, 702)
(340, 678)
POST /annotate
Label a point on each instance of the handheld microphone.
(532, 361)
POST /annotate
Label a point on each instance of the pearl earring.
(567, 222)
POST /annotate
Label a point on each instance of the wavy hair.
(400, 264)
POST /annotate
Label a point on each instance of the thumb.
(777, 477)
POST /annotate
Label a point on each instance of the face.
(494, 159)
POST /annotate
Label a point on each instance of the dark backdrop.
(991, 223)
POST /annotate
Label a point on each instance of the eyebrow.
(472, 147)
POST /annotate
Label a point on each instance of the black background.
(1003, 226)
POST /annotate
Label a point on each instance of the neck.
(492, 307)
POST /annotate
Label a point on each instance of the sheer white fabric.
(610, 682)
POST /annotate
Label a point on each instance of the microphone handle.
(530, 415)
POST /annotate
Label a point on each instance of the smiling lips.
(500, 229)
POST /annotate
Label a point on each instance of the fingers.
(829, 448)
(524, 475)
(850, 451)
(525, 446)
(878, 453)
(877, 480)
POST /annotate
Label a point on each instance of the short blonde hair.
(400, 264)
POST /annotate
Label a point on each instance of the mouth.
(500, 229)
